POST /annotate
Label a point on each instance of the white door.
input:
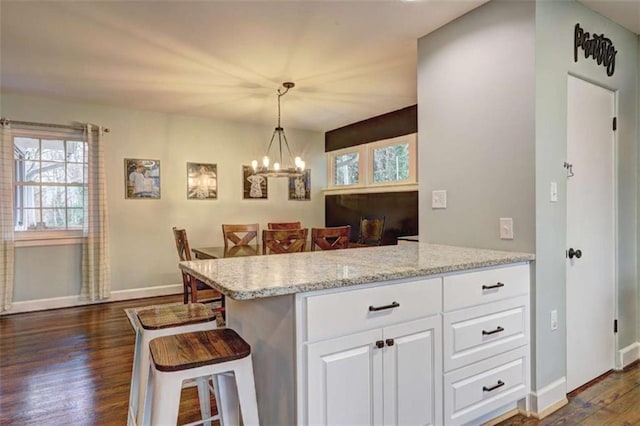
(412, 373)
(590, 229)
(345, 380)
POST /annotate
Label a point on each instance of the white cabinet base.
(484, 386)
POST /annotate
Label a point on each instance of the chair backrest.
(240, 235)
(330, 238)
(284, 225)
(276, 241)
(182, 243)
(371, 230)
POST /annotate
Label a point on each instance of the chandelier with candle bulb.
(275, 167)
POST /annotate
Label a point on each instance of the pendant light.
(274, 166)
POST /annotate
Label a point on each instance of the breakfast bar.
(407, 334)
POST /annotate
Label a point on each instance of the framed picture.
(202, 181)
(142, 179)
(254, 186)
(300, 187)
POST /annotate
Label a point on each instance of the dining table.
(219, 252)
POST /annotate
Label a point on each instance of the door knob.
(574, 253)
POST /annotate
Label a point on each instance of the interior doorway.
(590, 263)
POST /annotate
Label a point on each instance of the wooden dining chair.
(284, 225)
(330, 238)
(191, 285)
(240, 235)
(371, 230)
(276, 241)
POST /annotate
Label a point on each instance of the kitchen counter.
(257, 277)
(316, 320)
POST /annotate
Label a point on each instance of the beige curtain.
(7, 244)
(96, 263)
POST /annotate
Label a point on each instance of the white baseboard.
(70, 301)
(548, 399)
(627, 355)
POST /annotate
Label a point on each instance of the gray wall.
(143, 252)
(492, 132)
(555, 23)
(476, 127)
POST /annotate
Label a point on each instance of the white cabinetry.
(445, 350)
(389, 374)
(345, 380)
(486, 341)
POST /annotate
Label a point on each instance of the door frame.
(616, 101)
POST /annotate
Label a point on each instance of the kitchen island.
(380, 334)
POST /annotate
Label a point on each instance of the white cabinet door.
(345, 380)
(413, 373)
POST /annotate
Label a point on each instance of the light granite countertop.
(243, 278)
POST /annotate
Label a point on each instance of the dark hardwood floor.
(613, 399)
(73, 366)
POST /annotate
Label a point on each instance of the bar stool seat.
(187, 356)
(161, 321)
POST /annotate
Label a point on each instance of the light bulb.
(276, 166)
(254, 164)
(265, 161)
(297, 161)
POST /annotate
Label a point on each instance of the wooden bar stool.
(187, 356)
(163, 321)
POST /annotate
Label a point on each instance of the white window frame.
(365, 167)
(49, 236)
(331, 158)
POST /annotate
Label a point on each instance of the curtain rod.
(59, 126)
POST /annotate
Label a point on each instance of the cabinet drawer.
(479, 287)
(474, 334)
(336, 314)
(480, 388)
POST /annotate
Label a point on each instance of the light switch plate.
(553, 192)
(439, 199)
(506, 228)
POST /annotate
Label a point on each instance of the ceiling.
(350, 60)
(623, 12)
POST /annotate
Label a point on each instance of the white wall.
(476, 127)
(143, 251)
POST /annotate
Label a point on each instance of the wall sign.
(599, 47)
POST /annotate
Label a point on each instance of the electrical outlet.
(554, 320)
(439, 199)
(506, 228)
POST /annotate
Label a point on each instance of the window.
(346, 169)
(50, 181)
(390, 162)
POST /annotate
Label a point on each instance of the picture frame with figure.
(300, 187)
(202, 181)
(254, 187)
(141, 179)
